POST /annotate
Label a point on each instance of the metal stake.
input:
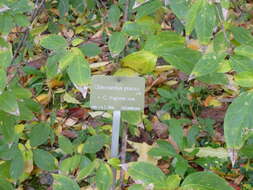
(115, 134)
(115, 142)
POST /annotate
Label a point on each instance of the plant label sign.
(117, 93)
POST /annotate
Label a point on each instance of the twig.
(125, 17)
(123, 155)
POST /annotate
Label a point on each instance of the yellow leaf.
(19, 128)
(141, 61)
(55, 83)
(212, 101)
(43, 99)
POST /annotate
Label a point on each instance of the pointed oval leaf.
(62, 182)
(238, 120)
(44, 160)
(205, 181)
(66, 145)
(148, 174)
(114, 15)
(39, 134)
(9, 103)
(209, 63)
(104, 177)
(117, 43)
(192, 16)
(205, 22)
(53, 42)
(79, 71)
(94, 143)
(244, 79)
(5, 185)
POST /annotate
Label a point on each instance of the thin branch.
(35, 13)
(125, 17)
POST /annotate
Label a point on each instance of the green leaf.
(52, 64)
(148, 26)
(136, 187)
(62, 182)
(7, 127)
(71, 163)
(132, 29)
(221, 153)
(180, 165)
(79, 71)
(164, 149)
(21, 93)
(44, 160)
(17, 165)
(148, 8)
(5, 57)
(173, 182)
(63, 7)
(66, 145)
(141, 61)
(21, 20)
(94, 143)
(117, 43)
(9, 103)
(242, 35)
(163, 42)
(148, 174)
(25, 112)
(205, 22)
(6, 23)
(39, 134)
(205, 181)
(176, 132)
(192, 15)
(220, 43)
(183, 59)
(180, 8)
(214, 78)
(238, 120)
(3, 80)
(70, 99)
(244, 50)
(114, 15)
(53, 42)
(104, 177)
(244, 79)
(86, 171)
(241, 63)
(5, 185)
(209, 63)
(90, 49)
(132, 117)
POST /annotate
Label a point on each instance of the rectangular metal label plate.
(117, 93)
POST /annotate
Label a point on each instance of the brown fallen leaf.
(160, 129)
